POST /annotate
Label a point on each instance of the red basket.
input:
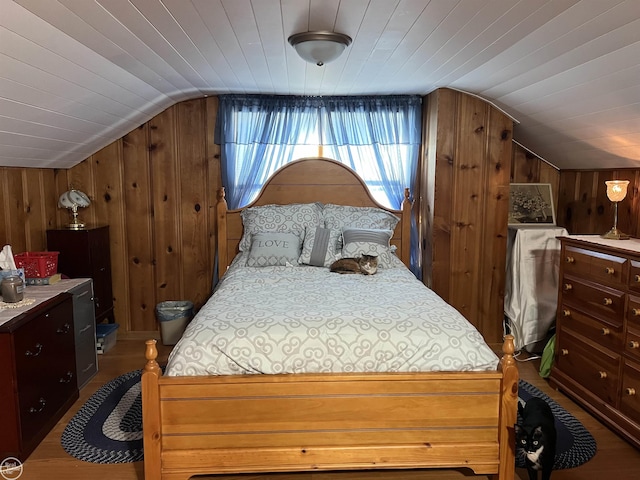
(37, 264)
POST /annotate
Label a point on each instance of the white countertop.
(39, 294)
(631, 244)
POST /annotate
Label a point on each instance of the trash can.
(173, 317)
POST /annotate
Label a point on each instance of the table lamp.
(72, 200)
(616, 191)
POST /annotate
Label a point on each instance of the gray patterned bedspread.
(306, 319)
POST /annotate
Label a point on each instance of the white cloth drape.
(531, 289)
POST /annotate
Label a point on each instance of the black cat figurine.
(536, 438)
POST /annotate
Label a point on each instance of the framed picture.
(531, 204)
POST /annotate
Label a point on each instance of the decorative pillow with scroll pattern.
(320, 247)
(375, 242)
(274, 249)
(278, 218)
(341, 217)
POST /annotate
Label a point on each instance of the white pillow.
(274, 249)
(375, 242)
(278, 218)
(320, 247)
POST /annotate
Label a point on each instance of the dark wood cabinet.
(37, 374)
(85, 254)
(597, 356)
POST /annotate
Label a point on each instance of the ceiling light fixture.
(319, 47)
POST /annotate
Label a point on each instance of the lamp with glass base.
(616, 191)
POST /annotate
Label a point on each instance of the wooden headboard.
(306, 181)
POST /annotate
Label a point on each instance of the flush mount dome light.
(319, 47)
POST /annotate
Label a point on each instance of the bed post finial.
(221, 194)
(151, 353)
(508, 409)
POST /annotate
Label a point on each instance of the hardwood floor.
(615, 457)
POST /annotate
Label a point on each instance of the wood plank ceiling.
(77, 74)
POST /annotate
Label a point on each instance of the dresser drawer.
(593, 298)
(634, 276)
(591, 365)
(603, 268)
(630, 401)
(45, 366)
(609, 333)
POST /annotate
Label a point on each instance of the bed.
(260, 414)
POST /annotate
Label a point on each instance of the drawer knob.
(609, 270)
(602, 374)
(36, 352)
(634, 344)
(564, 352)
(64, 329)
(567, 287)
(637, 278)
(635, 311)
(630, 391)
(607, 301)
(605, 331)
(41, 404)
(570, 260)
(566, 312)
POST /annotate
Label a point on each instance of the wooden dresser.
(597, 355)
(37, 373)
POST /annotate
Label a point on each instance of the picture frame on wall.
(531, 204)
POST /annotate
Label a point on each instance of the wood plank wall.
(465, 175)
(155, 188)
(583, 206)
(581, 202)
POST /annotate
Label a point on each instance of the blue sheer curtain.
(378, 137)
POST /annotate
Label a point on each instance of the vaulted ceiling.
(77, 74)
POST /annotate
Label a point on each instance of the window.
(378, 137)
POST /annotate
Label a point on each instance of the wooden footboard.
(277, 423)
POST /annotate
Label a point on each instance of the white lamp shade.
(617, 189)
(319, 47)
(73, 199)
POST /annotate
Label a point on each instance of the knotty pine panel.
(194, 197)
(164, 177)
(139, 218)
(496, 208)
(439, 168)
(15, 224)
(41, 214)
(107, 167)
(466, 230)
